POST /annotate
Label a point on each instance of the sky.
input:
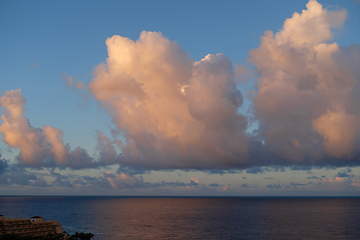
(180, 98)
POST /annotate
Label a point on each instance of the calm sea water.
(195, 218)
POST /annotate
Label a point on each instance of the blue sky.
(44, 43)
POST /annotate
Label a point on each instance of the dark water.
(195, 218)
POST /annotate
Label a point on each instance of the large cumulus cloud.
(173, 112)
(307, 102)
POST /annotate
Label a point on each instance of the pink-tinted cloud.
(173, 112)
(69, 81)
(338, 184)
(308, 90)
(39, 147)
(120, 181)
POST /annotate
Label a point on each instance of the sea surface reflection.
(195, 218)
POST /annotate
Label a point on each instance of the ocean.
(195, 217)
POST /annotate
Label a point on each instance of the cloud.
(69, 81)
(173, 112)
(63, 181)
(124, 181)
(339, 184)
(20, 178)
(344, 174)
(297, 184)
(256, 170)
(3, 165)
(40, 182)
(313, 177)
(39, 147)
(108, 181)
(273, 186)
(14, 174)
(132, 170)
(307, 100)
(301, 168)
(274, 168)
(246, 185)
(121, 181)
(294, 185)
(222, 171)
(214, 185)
